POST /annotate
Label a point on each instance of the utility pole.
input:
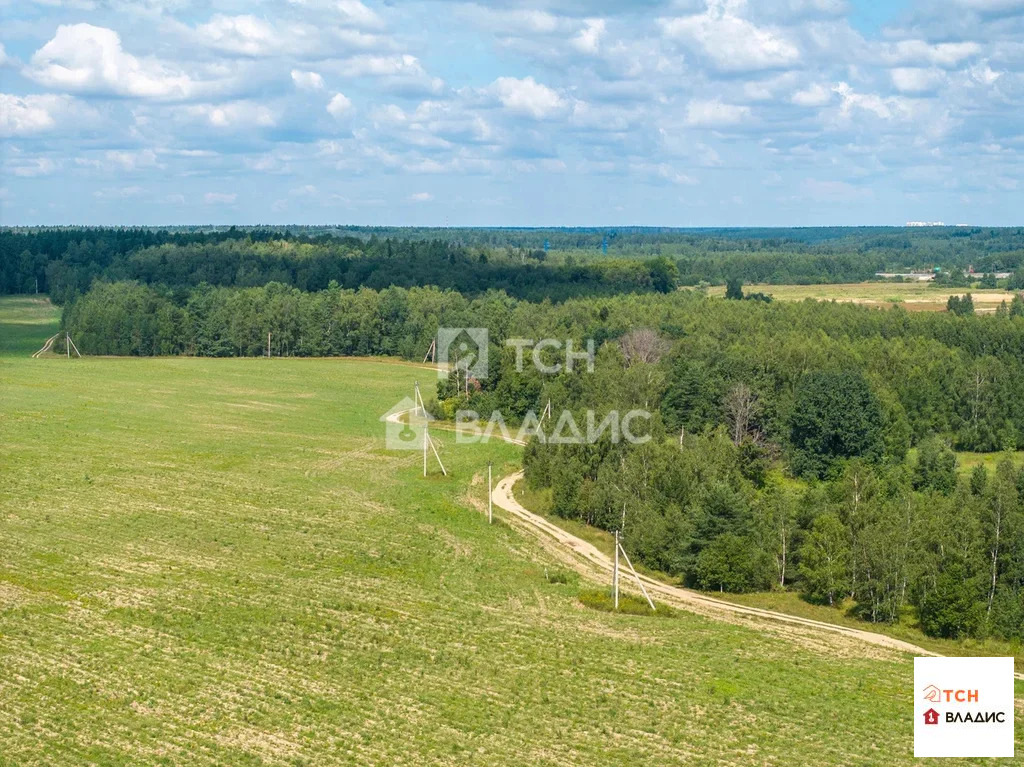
(67, 344)
(615, 571)
(268, 344)
(490, 500)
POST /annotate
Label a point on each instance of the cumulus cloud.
(232, 114)
(939, 54)
(339, 105)
(246, 35)
(527, 97)
(403, 73)
(730, 42)
(588, 39)
(307, 81)
(87, 59)
(421, 197)
(22, 116)
(355, 13)
(219, 198)
(852, 102)
(814, 95)
(711, 113)
(916, 79)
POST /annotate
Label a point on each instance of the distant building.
(910, 276)
(925, 223)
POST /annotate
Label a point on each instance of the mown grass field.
(217, 562)
(913, 296)
(26, 322)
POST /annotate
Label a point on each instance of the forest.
(526, 263)
(802, 446)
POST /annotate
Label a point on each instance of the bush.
(599, 599)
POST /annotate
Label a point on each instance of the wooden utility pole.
(615, 571)
(268, 344)
(67, 344)
(490, 500)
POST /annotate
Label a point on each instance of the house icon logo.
(932, 694)
(405, 426)
(931, 716)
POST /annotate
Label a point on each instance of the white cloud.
(421, 197)
(118, 193)
(399, 72)
(368, 65)
(307, 81)
(246, 35)
(526, 96)
(921, 52)
(232, 114)
(30, 167)
(34, 114)
(916, 80)
(814, 95)
(219, 198)
(730, 42)
(885, 108)
(122, 160)
(588, 39)
(713, 112)
(89, 59)
(339, 106)
(25, 116)
(356, 14)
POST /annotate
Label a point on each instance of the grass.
(218, 562)
(604, 600)
(793, 604)
(25, 324)
(912, 296)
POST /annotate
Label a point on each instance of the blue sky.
(556, 112)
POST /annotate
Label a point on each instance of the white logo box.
(971, 701)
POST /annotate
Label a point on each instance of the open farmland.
(912, 296)
(217, 561)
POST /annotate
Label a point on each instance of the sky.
(529, 113)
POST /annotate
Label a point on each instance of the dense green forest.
(526, 263)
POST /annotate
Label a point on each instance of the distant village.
(928, 276)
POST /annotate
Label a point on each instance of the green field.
(217, 562)
(913, 296)
(25, 323)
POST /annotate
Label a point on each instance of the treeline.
(527, 263)
(233, 259)
(958, 376)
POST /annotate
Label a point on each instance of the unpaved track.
(693, 601)
(504, 499)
